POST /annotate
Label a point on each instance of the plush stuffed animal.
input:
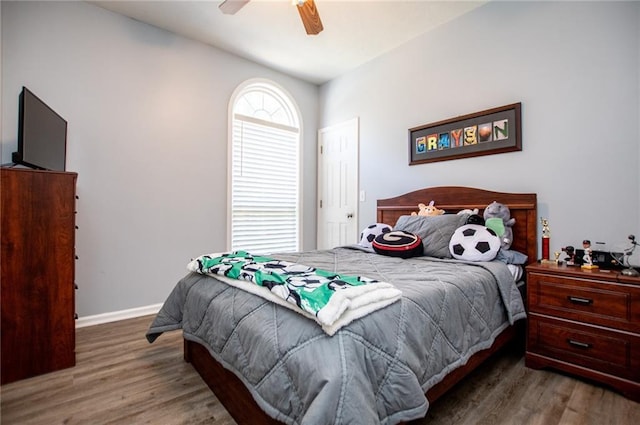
(428, 210)
(497, 217)
(468, 211)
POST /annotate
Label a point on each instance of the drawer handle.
(580, 300)
(578, 344)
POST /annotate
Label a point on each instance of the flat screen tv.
(42, 135)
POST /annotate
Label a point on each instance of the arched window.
(264, 160)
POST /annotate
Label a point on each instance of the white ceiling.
(271, 33)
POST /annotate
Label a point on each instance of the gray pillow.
(510, 256)
(435, 231)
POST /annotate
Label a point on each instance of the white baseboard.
(114, 316)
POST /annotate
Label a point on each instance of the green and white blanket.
(333, 300)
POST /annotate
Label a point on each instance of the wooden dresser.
(37, 272)
(586, 323)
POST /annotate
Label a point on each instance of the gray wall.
(575, 68)
(147, 115)
(147, 134)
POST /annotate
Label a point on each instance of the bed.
(269, 365)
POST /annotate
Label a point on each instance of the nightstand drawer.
(616, 353)
(601, 303)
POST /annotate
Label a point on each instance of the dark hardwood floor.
(122, 379)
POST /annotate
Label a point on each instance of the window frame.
(287, 99)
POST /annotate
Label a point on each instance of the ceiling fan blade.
(230, 7)
(310, 17)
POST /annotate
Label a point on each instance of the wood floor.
(121, 379)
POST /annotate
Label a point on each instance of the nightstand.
(585, 322)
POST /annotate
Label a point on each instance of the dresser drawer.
(602, 303)
(605, 350)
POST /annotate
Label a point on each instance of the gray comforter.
(374, 370)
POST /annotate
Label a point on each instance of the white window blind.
(264, 187)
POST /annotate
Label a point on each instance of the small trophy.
(546, 236)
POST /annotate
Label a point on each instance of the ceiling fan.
(306, 8)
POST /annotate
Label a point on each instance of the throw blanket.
(331, 299)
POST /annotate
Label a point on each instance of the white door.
(338, 185)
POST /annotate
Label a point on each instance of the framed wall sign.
(487, 132)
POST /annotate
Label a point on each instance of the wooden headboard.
(523, 206)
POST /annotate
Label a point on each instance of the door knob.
(350, 215)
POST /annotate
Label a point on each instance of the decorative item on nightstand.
(571, 255)
(546, 236)
(587, 259)
(619, 257)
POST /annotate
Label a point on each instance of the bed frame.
(238, 400)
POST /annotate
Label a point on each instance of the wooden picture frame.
(495, 130)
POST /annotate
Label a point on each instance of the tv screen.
(42, 134)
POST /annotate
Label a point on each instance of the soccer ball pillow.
(473, 242)
(398, 243)
(370, 232)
